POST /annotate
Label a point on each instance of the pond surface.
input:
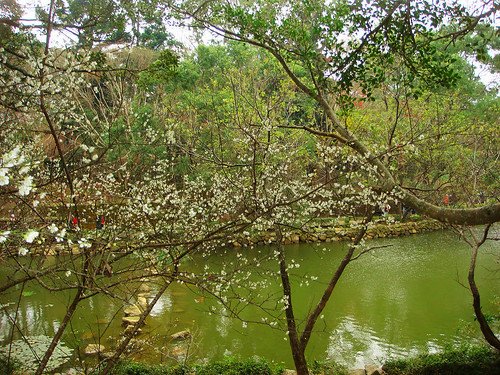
(394, 301)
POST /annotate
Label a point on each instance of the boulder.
(182, 335)
(93, 349)
(144, 288)
(130, 320)
(132, 310)
(179, 351)
(142, 302)
(87, 335)
(130, 328)
(373, 370)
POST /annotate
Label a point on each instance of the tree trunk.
(298, 351)
(123, 345)
(483, 324)
(313, 316)
(57, 337)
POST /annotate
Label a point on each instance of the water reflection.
(163, 304)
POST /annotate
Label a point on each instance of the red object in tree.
(74, 221)
(446, 200)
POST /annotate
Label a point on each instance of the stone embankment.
(332, 232)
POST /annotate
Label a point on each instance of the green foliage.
(7, 367)
(327, 368)
(231, 366)
(160, 71)
(466, 360)
(134, 368)
(93, 21)
(228, 366)
(156, 37)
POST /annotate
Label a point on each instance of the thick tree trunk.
(483, 324)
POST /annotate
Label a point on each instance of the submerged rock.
(130, 320)
(182, 335)
(144, 288)
(142, 302)
(179, 351)
(373, 370)
(132, 310)
(93, 349)
(130, 328)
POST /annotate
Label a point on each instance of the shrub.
(466, 360)
(7, 367)
(328, 368)
(134, 368)
(228, 366)
(231, 366)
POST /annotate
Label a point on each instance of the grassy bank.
(466, 360)
(228, 366)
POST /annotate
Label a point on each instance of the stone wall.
(331, 232)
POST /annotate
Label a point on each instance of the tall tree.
(346, 44)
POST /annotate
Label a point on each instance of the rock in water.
(132, 310)
(144, 288)
(373, 370)
(93, 349)
(142, 302)
(182, 335)
(130, 328)
(179, 351)
(357, 372)
(130, 320)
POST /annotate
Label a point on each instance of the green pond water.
(395, 301)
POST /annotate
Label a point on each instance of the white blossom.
(4, 236)
(30, 236)
(23, 251)
(84, 243)
(53, 228)
(26, 186)
(12, 158)
(4, 180)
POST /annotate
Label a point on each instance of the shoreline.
(335, 231)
